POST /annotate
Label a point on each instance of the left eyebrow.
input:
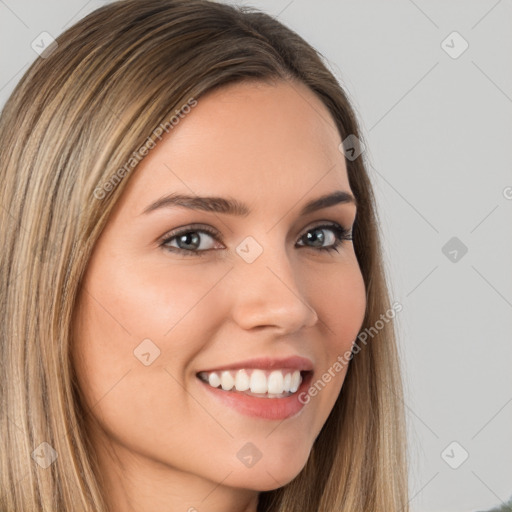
(233, 207)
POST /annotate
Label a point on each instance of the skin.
(163, 443)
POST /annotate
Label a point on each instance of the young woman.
(194, 310)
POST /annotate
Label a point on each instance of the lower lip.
(266, 408)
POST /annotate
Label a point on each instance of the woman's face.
(177, 288)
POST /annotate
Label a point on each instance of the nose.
(270, 292)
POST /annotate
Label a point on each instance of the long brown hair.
(73, 121)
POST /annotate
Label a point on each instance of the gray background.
(438, 131)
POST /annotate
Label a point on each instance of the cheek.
(121, 309)
(339, 296)
(114, 316)
(132, 303)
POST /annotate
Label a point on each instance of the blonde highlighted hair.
(73, 121)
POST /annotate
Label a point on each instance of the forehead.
(254, 141)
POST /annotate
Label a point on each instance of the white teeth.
(242, 381)
(287, 382)
(226, 380)
(214, 380)
(295, 382)
(273, 383)
(258, 382)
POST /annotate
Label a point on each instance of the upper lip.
(292, 363)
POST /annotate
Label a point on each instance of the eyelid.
(190, 227)
(346, 231)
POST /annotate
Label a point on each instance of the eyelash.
(341, 234)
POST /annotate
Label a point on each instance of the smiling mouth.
(276, 383)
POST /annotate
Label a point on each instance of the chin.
(265, 478)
